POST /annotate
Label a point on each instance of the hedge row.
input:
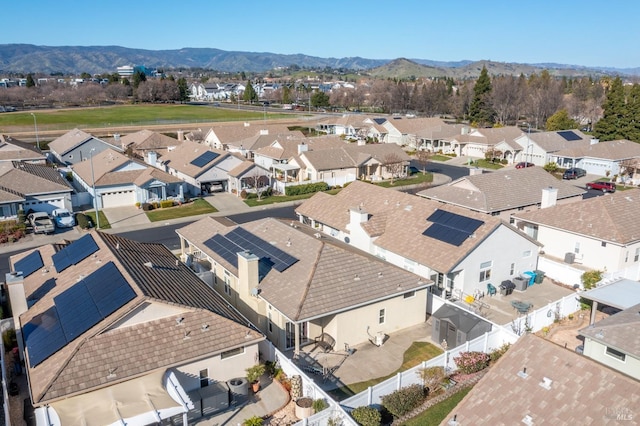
(306, 189)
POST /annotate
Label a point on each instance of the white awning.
(142, 401)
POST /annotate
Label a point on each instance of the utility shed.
(456, 326)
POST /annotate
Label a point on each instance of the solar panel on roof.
(30, 263)
(224, 248)
(108, 289)
(568, 135)
(43, 336)
(74, 253)
(76, 310)
(451, 228)
(61, 260)
(447, 235)
(204, 158)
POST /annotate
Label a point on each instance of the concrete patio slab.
(126, 216)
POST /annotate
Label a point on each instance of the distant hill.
(28, 58)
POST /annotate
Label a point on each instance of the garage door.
(118, 199)
(46, 206)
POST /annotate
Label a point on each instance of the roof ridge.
(310, 280)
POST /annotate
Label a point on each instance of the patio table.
(521, 307)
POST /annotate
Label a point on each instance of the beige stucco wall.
(596, 351)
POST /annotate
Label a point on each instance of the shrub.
(243, 194)
(253, 421)
(147, 207)
(404, 400)
(166, 203)
(497, 353)
(21, 216)
(471, 362)
(431, 376)
(138, 204)
(83, 221)
(306, 189)
(367, 416)
(319, 405)
(9, 339)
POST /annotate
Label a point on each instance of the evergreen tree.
(183, 88)
(610, 126)
(632, 128)
(30, 81)
(250, 94)
(319, 99)
(480, 111)
(561, 121)
(138, 77)
(286, 95)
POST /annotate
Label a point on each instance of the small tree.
(590, 279)
(561, 121)
(431, 376)
(393, 164)
(249, 94)
(258, 182)
(423, 157)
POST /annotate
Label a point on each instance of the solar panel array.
(75, 311)
(74, 253)
(238, 240)
(29, 264)
(568, 135)
(204, 158)
(451, 228)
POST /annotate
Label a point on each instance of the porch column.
(182, 245)
(594, 309)
(296, 330)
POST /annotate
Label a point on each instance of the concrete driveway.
(126, 216)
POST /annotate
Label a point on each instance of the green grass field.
(436, 414)
(129, 115)
(198, 206)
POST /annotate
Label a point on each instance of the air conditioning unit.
(569, 257)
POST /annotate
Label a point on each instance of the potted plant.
(253, 376)
(304, 407)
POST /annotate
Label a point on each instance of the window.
(485, 270)
(637, 255)
(512, 269)
(576, 249)
(526, 253)
(409, 294)
(615, 354)
(381, 316)
(626, 256)
(603, 244)
(232, 352)
(204, 378)
(227, 282)
(269, 323)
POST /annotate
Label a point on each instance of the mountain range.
(28, 58)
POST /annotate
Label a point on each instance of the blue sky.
(589, 33)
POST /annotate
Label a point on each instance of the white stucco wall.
(597, 351)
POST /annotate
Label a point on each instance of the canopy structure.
(142, 401)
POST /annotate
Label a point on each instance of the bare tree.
(258, 182)
(628, 168)
(394, 165)
(506, 96)
(422, 157)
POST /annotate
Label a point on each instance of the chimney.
(264, 132)
(303, 148)
(152, 158)
(248, 277)
(357, 215)
(181, 135)
(116, 138)
(475, 171)
(362, 142)
(549, 197)
(594, 141)
(17, 296)
(464, 130)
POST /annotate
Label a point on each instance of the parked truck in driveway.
(41, 223)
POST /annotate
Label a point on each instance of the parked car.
(524, 165)
(41, 223)
(574, 173)
(602, 186)
(63, 218)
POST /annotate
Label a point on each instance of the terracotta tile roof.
(181, 157)
(287, 148)
(259, 141)
(14, 149)
(501, 190)
(32, 179)
(553, 141)
(151, 173)
(103, 162)
(610, 218)
(353, 155)
(398, 219)
(242, 168)
(147, 140)
(581, 391)
(412, 126)
(328, 276)
(610, 150)
(232, 134)
(157, 279)
(69, 141)
(619, 331)
(443, 131)
(495, 135)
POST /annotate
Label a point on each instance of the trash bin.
(539, 276)
(521, 283)
(531, 276)
(506, 288)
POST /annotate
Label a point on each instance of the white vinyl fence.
(546, 315)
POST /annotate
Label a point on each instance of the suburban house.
(539, 148)
(614, 342)
(539, 382)
(350, 162)
(617, 158)
(117, 180)
(600, 233)
(12, 149)
(460, 250)
(347, 125)
(140, 143)
(227, 136)
(76, 146)
(497, 140)
(439, 137)
(32, 187)
(403, 131)
(203, 170)
(248, 176)
(505, 192)
(114, 331)
(296, 287)
(247, 147)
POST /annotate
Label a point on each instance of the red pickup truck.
(602, 186)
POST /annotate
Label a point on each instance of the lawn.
(436, 414)
(417, 352)
(253, 202)
(415, 179)
(198, 206)
(439, 157)
(129, 115)
(484, 164)
(104, 222)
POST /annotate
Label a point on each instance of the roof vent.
(205, 327)
(117, 246)
(379, 274)
(179, 321)
(453, 421)
(600, 334)
(148, 264)
(527, 420)
(112, 373)
(546, 383)
(523, 373)
(186, 335)
(356, 278)
(177, 262)
(288, 242)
